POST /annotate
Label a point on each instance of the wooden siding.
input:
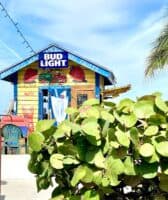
(75, 90)
(28, 92)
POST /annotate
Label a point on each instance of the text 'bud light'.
(53, 59)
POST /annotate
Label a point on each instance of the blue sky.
(115, 33)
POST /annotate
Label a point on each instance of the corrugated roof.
(114, 92)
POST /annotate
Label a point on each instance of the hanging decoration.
(77, 74)
(30, 75)
(52, 77)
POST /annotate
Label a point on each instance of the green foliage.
(36, 140)
(103, 148)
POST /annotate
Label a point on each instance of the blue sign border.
(64, 59)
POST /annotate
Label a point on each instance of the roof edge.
(73, 56)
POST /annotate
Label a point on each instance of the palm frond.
(158, 59)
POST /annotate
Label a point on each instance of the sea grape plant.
(102, 150)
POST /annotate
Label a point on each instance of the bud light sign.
(53, 59)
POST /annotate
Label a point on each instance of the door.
(53, 102)
(81, 94)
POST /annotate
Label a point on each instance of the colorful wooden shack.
(52, 79)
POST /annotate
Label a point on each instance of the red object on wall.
(77, 74)
(30, 75)
(59, 78)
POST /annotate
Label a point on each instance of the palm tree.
(158, 59)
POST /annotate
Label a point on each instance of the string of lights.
(15, 24)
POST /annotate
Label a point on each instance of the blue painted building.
(52, 79)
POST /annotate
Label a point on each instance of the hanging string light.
(15, 24)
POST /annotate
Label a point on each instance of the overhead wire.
(15, 24)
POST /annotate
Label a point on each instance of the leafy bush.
(107, 151)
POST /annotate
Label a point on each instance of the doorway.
(53, 101)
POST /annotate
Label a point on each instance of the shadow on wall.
(2, 197)
(3, 183)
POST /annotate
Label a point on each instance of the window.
(81, 98)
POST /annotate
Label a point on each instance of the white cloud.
(89, 27)
(11, 50)
(72, 17)
(74, 22)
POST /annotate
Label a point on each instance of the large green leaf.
(43, 125)
(92, 112)
(107, 116)
(157, 119)
(96, 157)
(147, 97)
(151, 130)
(134, 136)
(36, 140)
(81, 146)
(69, 160)
(146, 150)
(91, 129)
(105, 128)
(105, 181)
(122, 138)
(71, 111)
(49, 132)
(99, 160)
(154, 158)
(161, 104)
(112, 178)
(65, 127)
(34, 166)
(91, 195)
(42, 183)
(117, 116)
(67, 148)
(129, 120)
(126, 105)
(109, 104)
(88, 178)
(144, 109)
(129, 166)
(75, 128)
(59, 133)
(56, 161)
(162, 148)
(76, 198)
(91, 102)
(59, 197)
(97, 177)
(56, 192)
(89, 120)
(115, 165)
(114, 144)
(79, 173)
(92, 140)
(148, 171)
